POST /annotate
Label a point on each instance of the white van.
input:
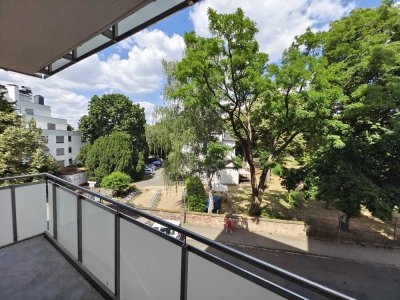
(167, 230)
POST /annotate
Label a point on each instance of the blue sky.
(133, 66)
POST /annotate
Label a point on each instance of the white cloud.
(137, 74)
(278, 21)
(148, 110)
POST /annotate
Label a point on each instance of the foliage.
(195, 195)
(117, 182)
(215, 160)
(181, 133)
(82, 155)
(360, 164)
(23, 151)
(293, 198)
(114, 112)
(114, 152)
(140, 166)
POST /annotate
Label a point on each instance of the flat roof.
(42, 37)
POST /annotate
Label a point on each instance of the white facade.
(229, 175)
(63, 145)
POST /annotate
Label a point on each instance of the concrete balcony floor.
(34, 269)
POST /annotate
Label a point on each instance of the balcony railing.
(123, 258)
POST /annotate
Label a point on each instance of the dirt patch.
(170, 197)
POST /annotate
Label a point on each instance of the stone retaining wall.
(270, 226)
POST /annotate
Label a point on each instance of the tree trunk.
(256, 201)
(262, 184)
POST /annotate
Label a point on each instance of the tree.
(215, 160)
(22, 149)
(82, 155)
(271, 109)
(362, 165)
(114, 152)
(182, 133)
(227, 72)
(114, 112)
(117, 181)
(195, 194)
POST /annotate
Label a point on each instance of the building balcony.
(57, 243)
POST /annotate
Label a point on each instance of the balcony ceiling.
(41, 37)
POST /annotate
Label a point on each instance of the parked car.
(148, 171)
(167, 230)
(157, 163)
(151, 166)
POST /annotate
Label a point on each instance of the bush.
(115, 152)
(83, 152)
(195, 195)
(293, 198)
(117, 181)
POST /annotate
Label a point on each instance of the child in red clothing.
(228, 225)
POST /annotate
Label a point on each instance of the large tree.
(110, 153)
(22, 149)
(269, 108)
(182, 132)
(363, 166)
(114, 112)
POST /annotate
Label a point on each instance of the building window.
(51, 126)
(29, 111)
(59, 139)
(60, 151)
(70, 161)
(61, 163)
(69, 149)
(69, 138)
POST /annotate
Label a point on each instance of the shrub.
(195, 195)
(117, 181)
(115, 152)
(83, 152)
(293, 198)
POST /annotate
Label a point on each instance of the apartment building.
(64, 144)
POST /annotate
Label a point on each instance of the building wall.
(75, 144)
(227, 176)
(29, 106)
(78, 178)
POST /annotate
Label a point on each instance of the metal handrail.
(311, 285)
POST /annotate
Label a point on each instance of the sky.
(133, 66)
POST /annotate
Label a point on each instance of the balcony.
(55, 242)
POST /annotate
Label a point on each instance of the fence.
(124, 258)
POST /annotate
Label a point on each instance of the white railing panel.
(207, 280)
(31, 210)
(6, 226)
(150, 265)
(50, 209)
(67, 220)
(98, 243)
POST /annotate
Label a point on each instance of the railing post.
(184, 270)
(117, 254)
(54, 189)
(14, 214)
(79, 221)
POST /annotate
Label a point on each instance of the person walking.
(228, 224)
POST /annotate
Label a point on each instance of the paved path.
(156, 180)
(301, 245)
(360, 272)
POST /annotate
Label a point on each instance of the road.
(156, 180)
(358, 279)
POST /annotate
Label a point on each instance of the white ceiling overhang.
(43, 37)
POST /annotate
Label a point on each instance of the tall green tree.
(110, 153)
(22, 149)
(363, 166)
(228, 73)
(182, 132)
(114, 112)
(270, 109)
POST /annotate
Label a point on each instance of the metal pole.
(184, 270)
(14, 214)
(54, 189)
(117, 254)
(395, 232)
(79, 220)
